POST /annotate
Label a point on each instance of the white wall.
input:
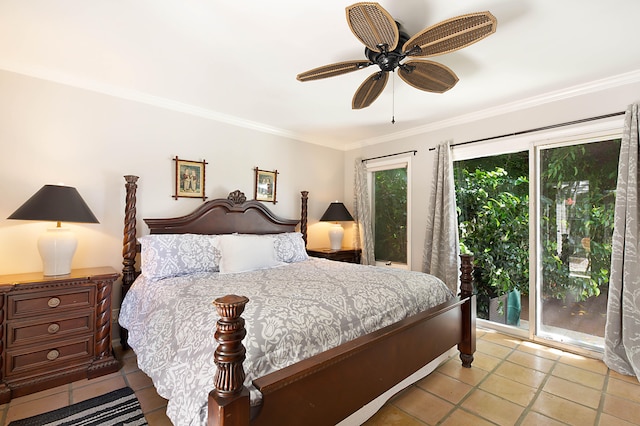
(52, 133)
(568, 105)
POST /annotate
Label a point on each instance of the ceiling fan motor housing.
(388, 60)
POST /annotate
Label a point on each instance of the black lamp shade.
(336, 212)
(55, 203)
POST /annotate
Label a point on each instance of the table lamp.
(336, 212)
(57, 245)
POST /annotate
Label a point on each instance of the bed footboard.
(326, 388)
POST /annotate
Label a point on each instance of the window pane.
(577, 185)
(390, 215)
(492, 196)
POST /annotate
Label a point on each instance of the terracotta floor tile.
(138, 380)
(391, 416)
(84, 382)
(578, 375)
(464, 418)
(502, 339)
(622, 408)
(531, 361)
(150, 400)
(471, 376)
(609, 420)
(563, 410)
(423, 405)
(624, 389)
(573, 392)
(595, 365)
(129, 365)
(536, 419)
(493, 349)
(485, 362)
(623, 377)
(158, 418)
(39, 395)
(540, 350)
(521, 374)
(444, 386)
(509, 390)
(37, 406)
(493, 408)
(94, 389)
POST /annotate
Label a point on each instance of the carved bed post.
(229, 401)
(303, 215)
(129, 241)
(129, 244)
(467, 346)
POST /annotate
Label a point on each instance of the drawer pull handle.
(53, 328)
(53, 354)
(53, 302)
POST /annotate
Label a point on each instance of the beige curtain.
(622, 331)
(440, 256)
(362, 214)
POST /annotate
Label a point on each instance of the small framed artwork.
(265, 185)
(189, 178)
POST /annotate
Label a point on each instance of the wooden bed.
(328, 387)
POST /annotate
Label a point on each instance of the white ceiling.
(236, 61)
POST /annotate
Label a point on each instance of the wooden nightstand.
(341, 255)
(57, 329)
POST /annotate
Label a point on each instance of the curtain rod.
(390, 155)
(538, 129)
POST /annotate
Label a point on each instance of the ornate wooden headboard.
(218, 216)
(225, 216)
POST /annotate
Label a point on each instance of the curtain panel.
(440, 256)
(362, 214)
(622, 330)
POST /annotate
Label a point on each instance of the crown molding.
(558, 95)
(141, 97)
(160, 102)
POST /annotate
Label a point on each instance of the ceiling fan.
(386, 45)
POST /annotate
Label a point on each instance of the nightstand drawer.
(49, 356)
(31, 304)
(23, 332)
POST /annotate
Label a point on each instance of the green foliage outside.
(582, 179)
(493, 218)
(577, 207)
(390, 215)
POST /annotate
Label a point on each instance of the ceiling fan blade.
(369, 90)
(428, 76)
(451, 35)
(332, 70)
(373, 26)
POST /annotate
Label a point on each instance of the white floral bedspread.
(294, 312)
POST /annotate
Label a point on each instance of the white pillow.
(171, 255)
(243, 253)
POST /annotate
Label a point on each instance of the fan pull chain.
(393, 98)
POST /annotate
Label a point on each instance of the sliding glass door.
(538, 217)
(576, 204)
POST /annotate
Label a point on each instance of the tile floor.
(512, 382)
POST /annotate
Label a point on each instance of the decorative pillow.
(170, 255)
(290, 247)
(243, 253)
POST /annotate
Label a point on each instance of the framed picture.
(189, 178)
(265, 185)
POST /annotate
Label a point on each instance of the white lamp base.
(336, 232)
(56, 247)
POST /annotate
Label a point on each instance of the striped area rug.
(120, 407)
